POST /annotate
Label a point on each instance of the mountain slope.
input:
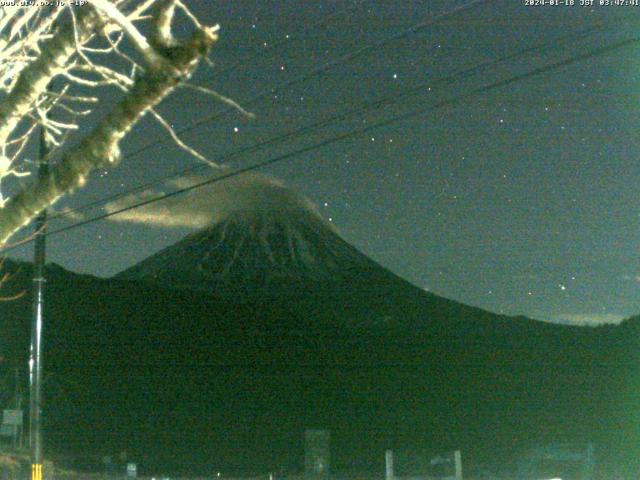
(188, 381)
(263, 234)
(266, 242)
(217, 353)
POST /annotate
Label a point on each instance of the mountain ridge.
(306, 363)
(223, 360)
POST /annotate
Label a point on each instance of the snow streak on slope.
(262, 233)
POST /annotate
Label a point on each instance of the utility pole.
(19, 432)
(35, 357)
(388, 464)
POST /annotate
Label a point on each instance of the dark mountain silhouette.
(263, 235)
(216, 353)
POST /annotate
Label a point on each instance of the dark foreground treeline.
(190, 383)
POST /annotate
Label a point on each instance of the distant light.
(236, 129)
(395, 75)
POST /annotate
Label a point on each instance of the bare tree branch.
(220, 97)
(33, 80)
(101, 147)
(190, 150)
(139, 41)
(81, 48)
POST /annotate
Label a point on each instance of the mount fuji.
(262, 236)
(218, 351)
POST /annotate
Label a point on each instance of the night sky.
(520, 200)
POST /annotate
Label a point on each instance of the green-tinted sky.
(523, 199)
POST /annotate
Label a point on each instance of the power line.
(274, 46)
(347, 366)
(318, 71)
(359, 131)
(349, 56)
(288, 38)
(419, 89)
